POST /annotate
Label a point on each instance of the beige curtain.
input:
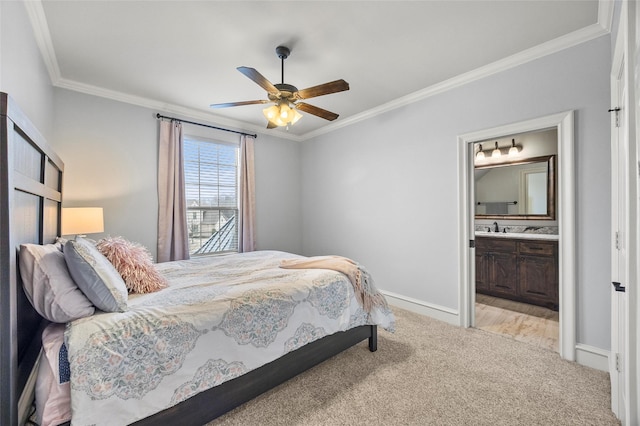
(246, 221)
(172, 207)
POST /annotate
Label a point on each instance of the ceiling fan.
(285, 97)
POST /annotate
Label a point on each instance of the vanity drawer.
(496, 244)
(537, 248)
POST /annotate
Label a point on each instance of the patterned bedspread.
(220, 317)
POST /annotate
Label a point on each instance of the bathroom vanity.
(521, 267)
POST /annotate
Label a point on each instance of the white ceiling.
(180, 56)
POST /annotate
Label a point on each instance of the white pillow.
(53, 392)
(48, 285)
(95, 276)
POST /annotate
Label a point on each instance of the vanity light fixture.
(513, 151)
(496, 152)
(480, 153)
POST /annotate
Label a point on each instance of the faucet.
(496, 229)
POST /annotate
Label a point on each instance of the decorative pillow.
(134, 263)
(53, 393)
(48, 285)
(95, 275)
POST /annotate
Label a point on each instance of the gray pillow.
(95, 276)
(49, 286)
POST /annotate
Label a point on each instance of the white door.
(619, 232)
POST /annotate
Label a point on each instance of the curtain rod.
(158, 116)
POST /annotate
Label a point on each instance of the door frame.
(618, 356)
(563, 122)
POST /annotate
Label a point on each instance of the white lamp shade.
(82, 220)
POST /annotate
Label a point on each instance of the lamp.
(513, 151)
(82, 220)
(496, 152)
(281, 114)
(480, 153)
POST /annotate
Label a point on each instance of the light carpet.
(432, 373)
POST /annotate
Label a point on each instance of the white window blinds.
(211, 184)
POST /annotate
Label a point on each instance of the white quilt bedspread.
(220, 317)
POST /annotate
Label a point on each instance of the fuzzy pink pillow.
(134, 263)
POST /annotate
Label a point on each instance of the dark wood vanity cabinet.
(496, 264)
(522, 270)
(538, 272)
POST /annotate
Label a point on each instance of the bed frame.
(31, 176)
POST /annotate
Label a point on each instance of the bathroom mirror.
(523, 189)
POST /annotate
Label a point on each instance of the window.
(211, 184)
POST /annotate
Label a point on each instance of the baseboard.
(593, 357)
(441, 313)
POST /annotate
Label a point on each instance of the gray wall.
(23, 74)
(110, 153)
(384, 191)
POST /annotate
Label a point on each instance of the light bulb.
(480, 153)
(513, 151)
(285, 113)
(496, 152)
(271, 112)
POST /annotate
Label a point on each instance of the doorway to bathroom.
(502, 273)
(516, 236)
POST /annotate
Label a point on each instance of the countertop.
(517, 235)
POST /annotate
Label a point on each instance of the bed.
(30, 207)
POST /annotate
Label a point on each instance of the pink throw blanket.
(364, 288)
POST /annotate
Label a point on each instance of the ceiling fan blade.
(323, 89)
(271, 125)
(258, 79)
(322, 113)
(232, 104)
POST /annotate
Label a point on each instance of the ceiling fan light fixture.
(271, 112)
(285, 113)
(296, 116)
(284, 96)
(281, 114)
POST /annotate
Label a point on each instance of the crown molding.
(167, 108)
(43, 39)
(36, 14)
(553, 46)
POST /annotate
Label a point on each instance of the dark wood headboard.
(30, 209)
